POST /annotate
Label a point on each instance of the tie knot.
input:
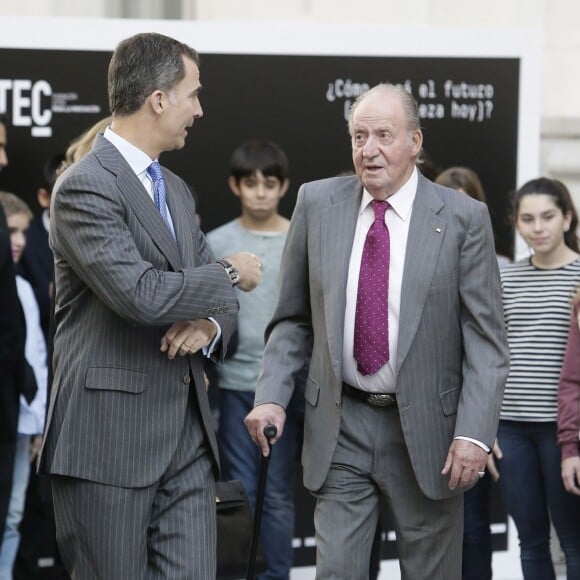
(154, 171)
(380, 208)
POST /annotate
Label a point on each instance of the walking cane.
(270, 432)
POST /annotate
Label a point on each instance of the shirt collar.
(137, 159)
(402, 201)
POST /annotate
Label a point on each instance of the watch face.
(234, 275)
(232, 272)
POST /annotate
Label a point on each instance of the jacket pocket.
(450, 401)
(311, 392)
(116, 379)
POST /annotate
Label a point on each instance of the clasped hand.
(187, 337)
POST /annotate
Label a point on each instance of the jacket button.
(187, 379)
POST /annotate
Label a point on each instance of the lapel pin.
(438, 230)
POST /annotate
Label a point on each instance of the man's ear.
(158, 101)
(417, 142)
(233, 185)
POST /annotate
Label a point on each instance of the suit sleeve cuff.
(208, 350)
(478, 443)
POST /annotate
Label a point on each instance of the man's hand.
(464, 462)
(35, 445)
(491, 467)
(249, 267)
(571, 474)
(187, 337)
(258, 418)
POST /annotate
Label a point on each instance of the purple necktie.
(371, 323)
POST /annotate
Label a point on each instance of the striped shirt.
(537, 310)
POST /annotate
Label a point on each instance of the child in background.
(259, 179)
(536, 300)
(31, 416)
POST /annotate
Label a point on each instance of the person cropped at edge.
(569, 407)
(31, 413)
(536, 299)
(417, 430)
(129, 441)
(12, 360)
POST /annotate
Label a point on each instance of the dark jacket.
(12, 335)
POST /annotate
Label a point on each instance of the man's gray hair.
(408, 101)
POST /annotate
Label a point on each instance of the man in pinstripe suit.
(129, 442)
(416, 427)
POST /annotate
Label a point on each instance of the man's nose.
(3, 159)
(370, 147)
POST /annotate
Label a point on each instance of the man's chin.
(178, 144)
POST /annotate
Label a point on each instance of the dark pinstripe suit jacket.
(452, 358)
(118, 404)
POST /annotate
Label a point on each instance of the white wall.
(555, 20)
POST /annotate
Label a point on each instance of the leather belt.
(373, 399)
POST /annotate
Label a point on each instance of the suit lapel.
(132, 189)
(180, 215)
(426, 232)
(337, 233)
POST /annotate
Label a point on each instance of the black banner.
(468, 108)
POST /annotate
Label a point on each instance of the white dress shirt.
(138, 161)
(397, 218)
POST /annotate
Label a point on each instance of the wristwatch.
(232, 272)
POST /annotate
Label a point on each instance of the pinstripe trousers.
(167, 530)
(371, 459)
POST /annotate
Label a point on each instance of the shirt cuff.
(208, 350)
(478, 443)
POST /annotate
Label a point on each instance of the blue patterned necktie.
(371, 327)
(159, 195)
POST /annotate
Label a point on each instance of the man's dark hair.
(257, 155)
(142, 64)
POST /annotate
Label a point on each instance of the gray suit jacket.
(118, 404)
(452, 358)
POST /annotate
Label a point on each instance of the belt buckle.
(381, 400)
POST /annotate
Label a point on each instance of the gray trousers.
(370, 461)
(167, 530)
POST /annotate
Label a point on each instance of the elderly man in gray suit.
(129, 443)
(390, 283)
